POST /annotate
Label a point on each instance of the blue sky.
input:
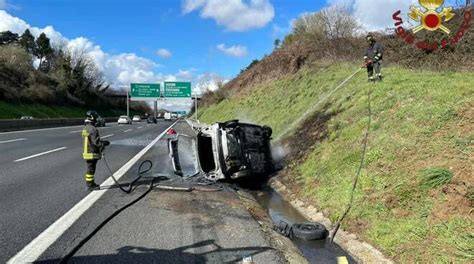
(143, 26)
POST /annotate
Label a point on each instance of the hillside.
(422, 126)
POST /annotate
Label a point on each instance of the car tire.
(231, 123)
(268, 131)
(309, 231)
(241, 174)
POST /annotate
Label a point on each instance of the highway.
(42, 175)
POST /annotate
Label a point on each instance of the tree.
(332, 23)
(27, 41)
(277, 43)
(43, 46)
(8, 37)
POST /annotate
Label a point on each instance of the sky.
(202, 41)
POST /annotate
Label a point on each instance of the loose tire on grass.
(309, 231)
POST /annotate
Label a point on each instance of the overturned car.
(229, 150)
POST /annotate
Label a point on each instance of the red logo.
(431, 16)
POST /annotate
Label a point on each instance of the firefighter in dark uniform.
(93, 148)
(373, 58)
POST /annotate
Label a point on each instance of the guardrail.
(20, 124)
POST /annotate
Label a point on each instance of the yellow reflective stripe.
(87, 155)
(342, 260)
(85, 136)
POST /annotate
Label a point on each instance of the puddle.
(316, 251)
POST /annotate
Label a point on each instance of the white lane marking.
(12, 140)
(75, 131)
(40, 129)
(111, 135)
(40, 154)
(140, 127)
(128, 130)
(41, 243)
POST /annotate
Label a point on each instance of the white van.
(167, 116)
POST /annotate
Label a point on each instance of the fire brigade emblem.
(429, 17)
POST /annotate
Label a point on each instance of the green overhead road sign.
(177, 89)
(145, 91)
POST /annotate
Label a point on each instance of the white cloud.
(376, 14)
(234, 51)
(185, 75)
(164, 53)
(234, 15)
(209, 82)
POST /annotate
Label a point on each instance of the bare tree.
(332, 23)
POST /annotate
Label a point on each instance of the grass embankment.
(415, 195)
(15, 111)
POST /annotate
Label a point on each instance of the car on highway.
(151, 119)
(100, 121)
(136, 118)
(229, 150)
(26, 117)
(124, 120)
(167, 116)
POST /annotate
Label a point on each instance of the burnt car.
(229, 150)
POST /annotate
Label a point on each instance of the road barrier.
(23, 124)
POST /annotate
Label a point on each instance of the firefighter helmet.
(370, 38)
(91, 117)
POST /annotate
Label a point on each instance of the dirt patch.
(456, 201)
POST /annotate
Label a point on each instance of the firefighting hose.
(314, 106)
(358, 172)
(129, 190)
(140, 173)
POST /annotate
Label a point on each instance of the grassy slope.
(420, 120)
(11, 111)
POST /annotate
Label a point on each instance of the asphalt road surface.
(42, 175)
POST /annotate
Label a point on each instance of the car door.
(184, 156)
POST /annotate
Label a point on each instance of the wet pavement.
(316, 251)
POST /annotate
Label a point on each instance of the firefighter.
(93, 148)
(373, 58)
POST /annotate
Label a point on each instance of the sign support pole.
(196, 105)
(128, 105)
(156, 108)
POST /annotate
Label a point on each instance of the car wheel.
(309, 231)
(231, 123)
(241, 174)
(268, 131)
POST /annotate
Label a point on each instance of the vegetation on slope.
(414, 198)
